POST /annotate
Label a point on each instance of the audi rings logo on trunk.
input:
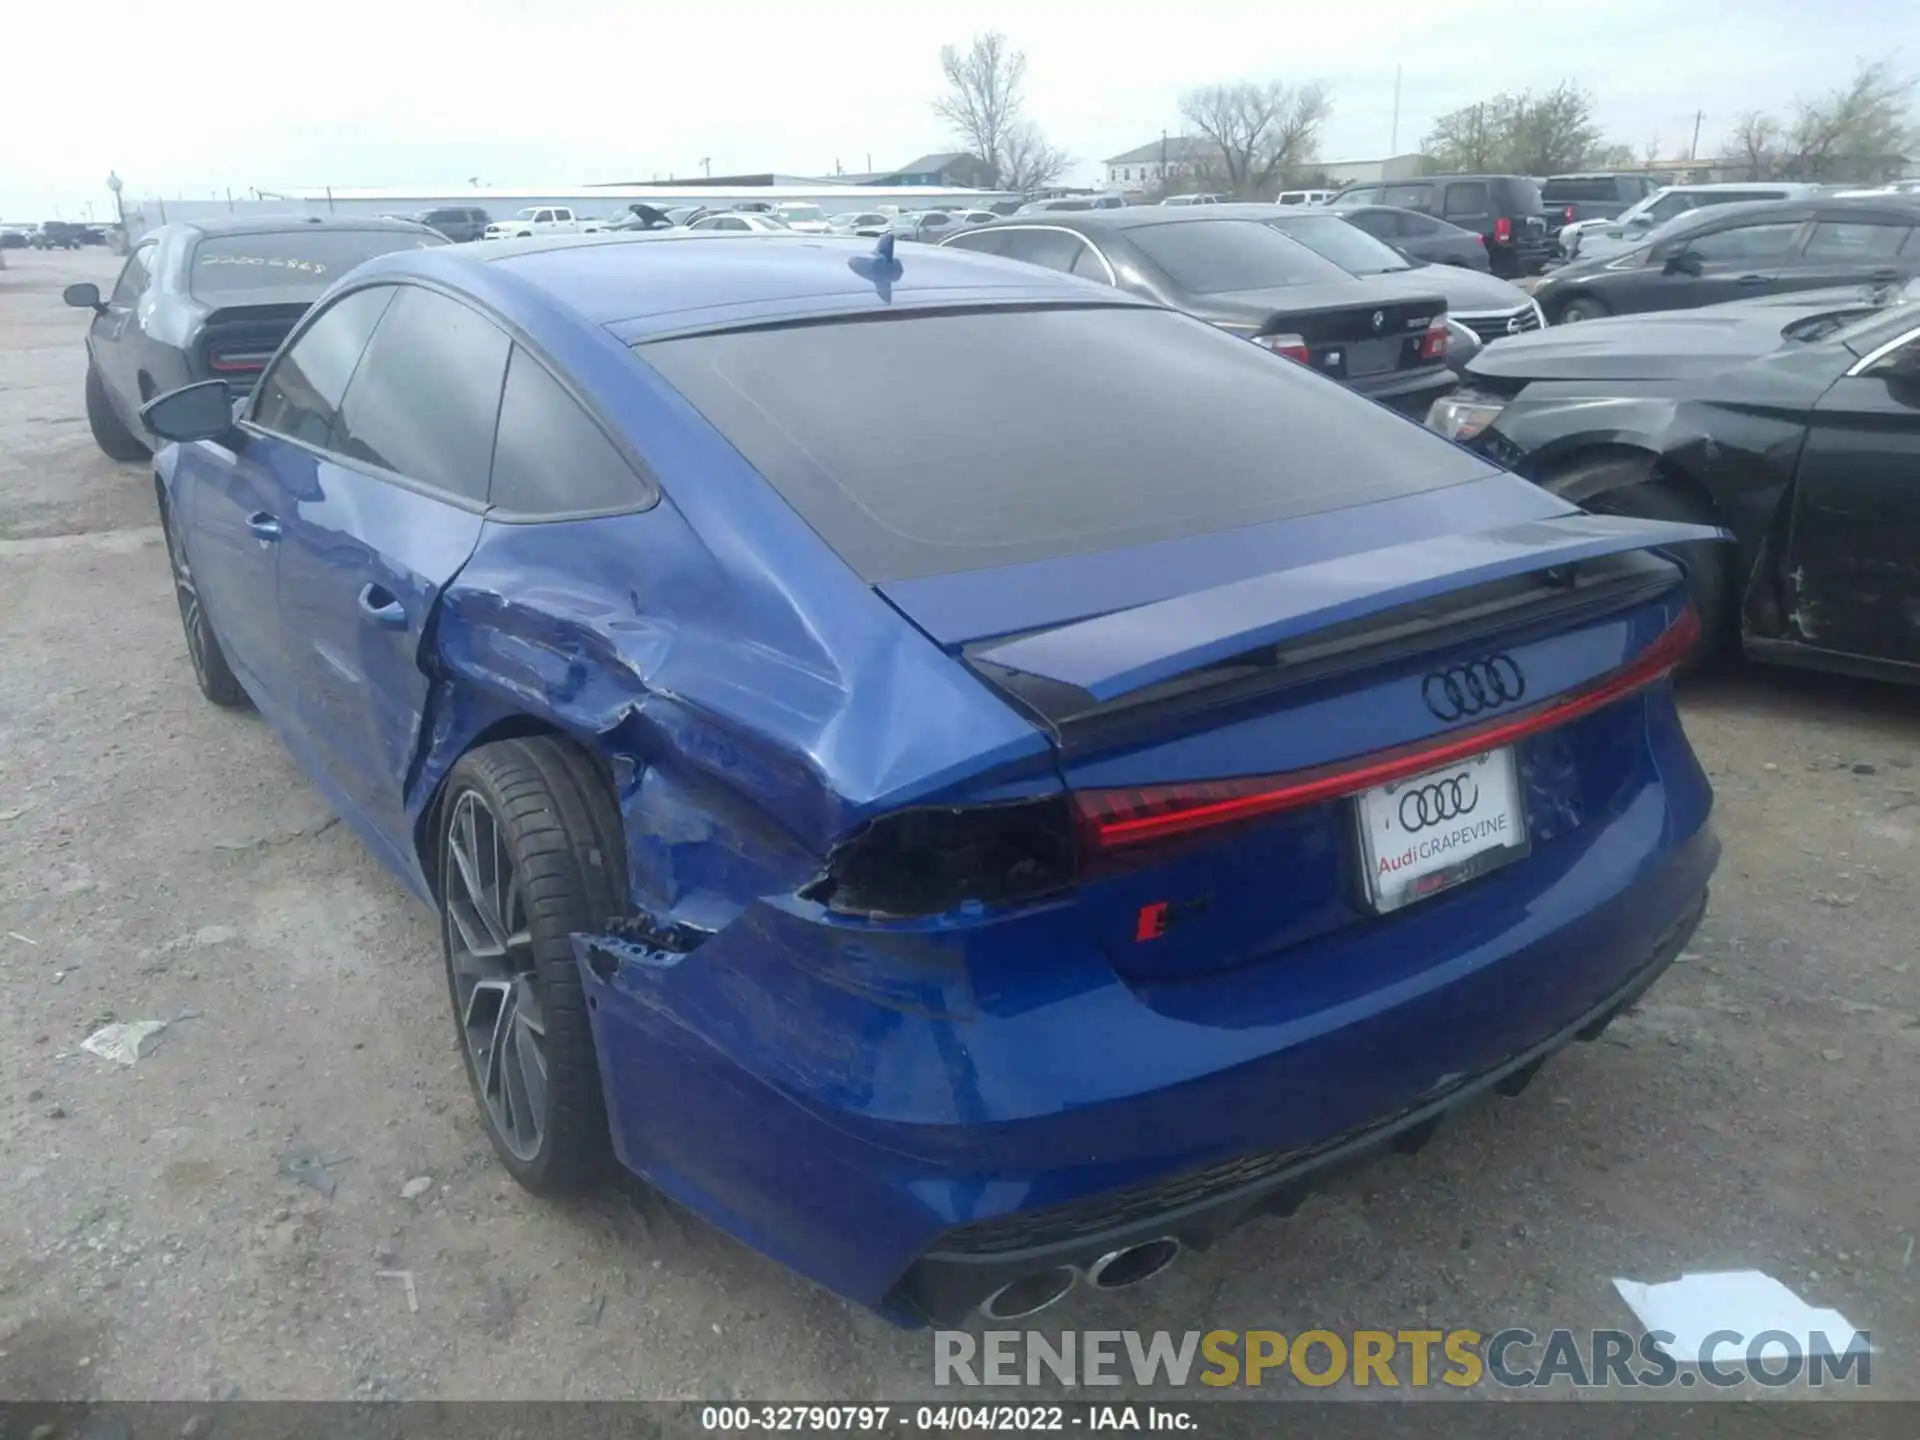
(1474, 688)
(1441, 800)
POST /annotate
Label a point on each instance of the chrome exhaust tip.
(1030, 1294)
(1121, 1268)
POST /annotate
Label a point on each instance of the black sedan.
(1425, 238)
(1387, 341)
(1734, 252)
(1793, 422)
(212, 300)
(1487, 307)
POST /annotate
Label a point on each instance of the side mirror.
(84, 296)
(1684, 262)
(202, 411)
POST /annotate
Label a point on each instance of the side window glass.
(1055, 249)
(299, 396)
(1469, 198)
(1410, 197)
(1856, 241)
(1747, 243)
(991, 242)
(551, 458)
(424, 401)
(1089, 266)
(133, 276)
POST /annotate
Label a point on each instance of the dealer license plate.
(1433, 831)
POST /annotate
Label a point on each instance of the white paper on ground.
(1746, 1302)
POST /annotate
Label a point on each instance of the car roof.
(646, 284)
(275, 224)
(1134, 217)
(1898, 208)
(1790, 187)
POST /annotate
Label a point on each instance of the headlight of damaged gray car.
(1463, 414)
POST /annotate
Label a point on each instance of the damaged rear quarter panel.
(752, 702)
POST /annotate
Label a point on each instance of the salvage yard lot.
(160, 859)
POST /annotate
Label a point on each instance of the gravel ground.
(160, 859)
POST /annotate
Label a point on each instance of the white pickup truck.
(542, 220)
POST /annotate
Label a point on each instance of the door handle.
(382, 607)
(1884, 277)
(1752, 280)
(264, 526)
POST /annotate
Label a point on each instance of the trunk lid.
(1288, 694)
(1351, 331)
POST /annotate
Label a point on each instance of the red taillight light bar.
(229, 362)
(1503, 229)
(1433, 344)
(1115, 820)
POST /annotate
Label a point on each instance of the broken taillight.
(935, 859)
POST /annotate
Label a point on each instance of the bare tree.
(984, 106)
(1472, 138)
(1263, 128)
(983, 98)
(1650, 152)
(1523, 133)
(1027, 161)
(1554, 132)
(1846, 135)
(1754, 146)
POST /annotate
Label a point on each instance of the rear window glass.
(1516, 196)
(290, 259)
(1106, 427)
(1215, 257)
(1563, 192)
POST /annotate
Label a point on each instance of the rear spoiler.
(1116, 654)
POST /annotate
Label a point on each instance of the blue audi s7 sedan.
(973, 782)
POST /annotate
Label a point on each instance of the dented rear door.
(1854, 563)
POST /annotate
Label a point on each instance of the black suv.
(1570, 198)
(1504, 210)
(456, 222)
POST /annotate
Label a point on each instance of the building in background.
(1368, 172)
(1163, 164)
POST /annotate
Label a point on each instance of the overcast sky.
(276, 93)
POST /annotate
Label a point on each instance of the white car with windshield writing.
(542, 220)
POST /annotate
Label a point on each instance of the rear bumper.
(913, 1141)
(1409, 394)
(967, 1266)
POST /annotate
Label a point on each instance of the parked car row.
(51, 235)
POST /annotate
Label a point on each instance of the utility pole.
(1393, 146)
(706, 166)
(1693, 150)
(1163, 160)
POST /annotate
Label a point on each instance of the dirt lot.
(161, 859)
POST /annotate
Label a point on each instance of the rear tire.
(116, 442)
(1582, 307)
(1709, 566)
(529, 851)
